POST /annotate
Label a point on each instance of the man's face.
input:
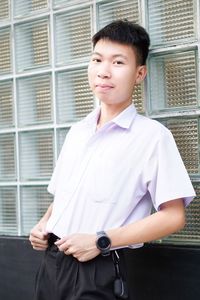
(113, 72)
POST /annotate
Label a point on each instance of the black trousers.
(62, 277)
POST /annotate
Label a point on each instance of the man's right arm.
(38, 235)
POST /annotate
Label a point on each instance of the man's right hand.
(39, 237)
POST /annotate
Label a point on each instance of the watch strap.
(100, 233)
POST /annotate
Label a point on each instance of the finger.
(75, 255)
(38, 245)
(44, 232)
(39, 248)
(38, 241)
(62, 246)
(38, 235)
(81, 259)
(60, 241)
(41, 243)
(67, 252)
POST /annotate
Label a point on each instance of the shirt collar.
(123, 120)
(126, 117)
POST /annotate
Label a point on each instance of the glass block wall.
(45, 46)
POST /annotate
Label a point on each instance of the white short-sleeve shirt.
(110, 177)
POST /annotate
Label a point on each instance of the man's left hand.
(82, 246)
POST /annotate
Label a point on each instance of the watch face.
(103, 242)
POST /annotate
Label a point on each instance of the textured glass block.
(61, 135)
(118, 9)
(61, 3)
(171, 21)
(4, 10)
(32, 45)
(36, 155)
(34, 100)
(8, 210)
(186, 134)
(175, 76)
(7, 157)
(190, 234)
(24, 7)
(74, 98)
(73, 36)
(138, 98)
(6, 104)
(5, 51)
(34, 202)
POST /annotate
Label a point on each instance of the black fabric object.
(63, 277)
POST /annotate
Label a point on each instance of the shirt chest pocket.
(105, 175)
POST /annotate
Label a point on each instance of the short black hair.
(128, 33)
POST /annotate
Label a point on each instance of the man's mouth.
(104, 86)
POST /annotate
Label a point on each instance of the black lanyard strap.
(120, 286)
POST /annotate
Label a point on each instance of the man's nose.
(104, 72)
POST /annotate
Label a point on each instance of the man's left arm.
(169, 219)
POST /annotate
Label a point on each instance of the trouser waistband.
(52, 239)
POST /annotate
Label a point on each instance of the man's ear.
(141, 74)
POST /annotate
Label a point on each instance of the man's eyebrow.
(114, 56)
(96, 53)
(120, 55)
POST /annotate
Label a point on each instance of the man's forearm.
(162, 223)
(47, 215)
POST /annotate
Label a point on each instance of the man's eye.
(118, 62)
(96, 60)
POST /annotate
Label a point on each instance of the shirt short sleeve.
(169, 179)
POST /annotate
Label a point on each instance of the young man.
(113, 166)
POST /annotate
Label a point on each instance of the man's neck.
(109, 112)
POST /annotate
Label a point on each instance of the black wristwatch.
(103, 243)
